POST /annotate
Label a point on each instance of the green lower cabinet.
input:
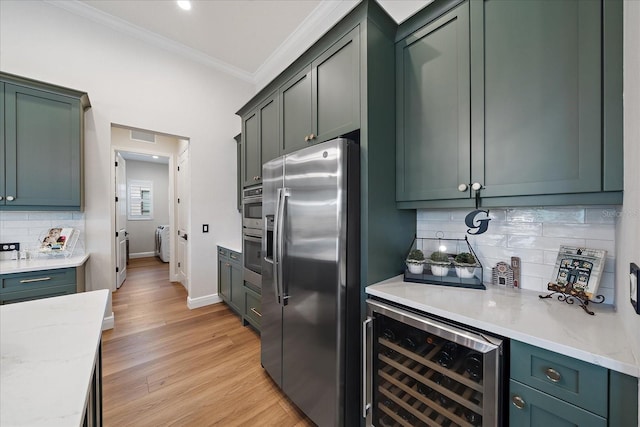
(533, 408)
(252, 313)
(230, 286)
(19, 287)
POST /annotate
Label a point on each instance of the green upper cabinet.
(251, 146)
(42, 146)
(322, 101)
(433, 109)
(336, 89)
(260, 142)
(269, 129)
(521, 99)
(295, 111)
(536, 121)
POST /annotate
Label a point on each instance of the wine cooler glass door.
(427, 373)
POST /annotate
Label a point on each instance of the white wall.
(142, 232)
(628, 230)
(134, 84)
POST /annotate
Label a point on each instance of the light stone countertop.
(41, 263)
(520, 315)
(48, 348)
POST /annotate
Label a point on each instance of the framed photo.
(579, 269)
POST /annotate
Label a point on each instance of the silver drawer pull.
(39, 279)
(256, 312)
(518, 402)
(233, 257)
(553, 375)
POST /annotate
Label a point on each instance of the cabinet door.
(295, 111)
(269, 130)
(536, 90)
(336, 89)
(237, 288)
(252, 163)
(224, 279)
(532, 408)
(42, 148)
(433, 147)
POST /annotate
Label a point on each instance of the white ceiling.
(238, 36)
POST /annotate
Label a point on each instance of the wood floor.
(166, 365)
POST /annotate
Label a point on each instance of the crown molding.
(81, 9)
(323, 17)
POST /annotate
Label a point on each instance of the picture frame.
(579, 269)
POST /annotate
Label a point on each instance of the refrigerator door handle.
(283, 194)
(366, 404)
(276, 249)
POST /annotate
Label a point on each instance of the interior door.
(121, 219)
(182, 246)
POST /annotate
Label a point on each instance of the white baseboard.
(109, 322)
(142, 254)
(203, 301)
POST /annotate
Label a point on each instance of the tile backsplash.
(534, 235)
(27, 228)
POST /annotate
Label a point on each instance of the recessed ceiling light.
(184, 4)
(155, 157)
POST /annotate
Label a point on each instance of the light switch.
(205, 228)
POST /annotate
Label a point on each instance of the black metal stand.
(568, 294)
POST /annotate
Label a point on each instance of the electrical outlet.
(8, 247)
(205, 228)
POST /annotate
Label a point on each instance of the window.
(140, 200)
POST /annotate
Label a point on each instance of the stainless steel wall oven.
(420, 371)
(252, 235)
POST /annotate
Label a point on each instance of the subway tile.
(586, 231)
(533, 283)
(494, 214)
(543, 271)
(543, 243)
(53, 216)
(608, 245)
(515, 228)
(505, 254)
(433, 215)
(547, 215)
(6, 217)
(488, 240)
(602, 215)
(78, 215)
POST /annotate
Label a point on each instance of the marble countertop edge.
(42, 263)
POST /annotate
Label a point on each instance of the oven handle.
(252, 238)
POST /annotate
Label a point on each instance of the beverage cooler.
(419, 371)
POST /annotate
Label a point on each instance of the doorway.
(146, 211)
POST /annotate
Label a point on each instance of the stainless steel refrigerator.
(311, 297)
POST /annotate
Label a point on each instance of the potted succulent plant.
(439, 262)
(415, 261)
(465, 264)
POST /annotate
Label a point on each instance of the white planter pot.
(465, 272)
(439, 270)
(415, 268)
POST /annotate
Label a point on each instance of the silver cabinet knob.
(518, 402)
(10, 198)
(476, 186)
(312, 136)
(463, 187)
(553, 375)
(1, 198)
(306, 138)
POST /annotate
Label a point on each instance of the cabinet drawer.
(28, 294)
(234, 257)
(529, 407)
(252, 307)
(38, 279)
(223, 251)
(574, 381)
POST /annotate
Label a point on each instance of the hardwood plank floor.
(166, 365)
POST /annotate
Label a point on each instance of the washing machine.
(163, 243)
